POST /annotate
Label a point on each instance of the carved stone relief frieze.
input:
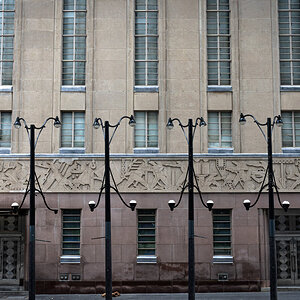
(139, 174)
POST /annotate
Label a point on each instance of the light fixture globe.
(279, 121)
(285, 205)
(15, 207)
(92, 205)
(57, 123)
(170, 124)
(17, 123)
(132, 121)
(171, 204)
(210, 204)
(96, 124)
(242, 119)
(132, 204)
(247, 203)
(202, 122)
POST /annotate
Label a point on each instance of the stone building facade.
(154, 59)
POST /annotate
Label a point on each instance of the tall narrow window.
(72, 130)
(222, 231)
(71, 231)
(218, 42)
(146, 129)
(7, 41)
(146, 47)
(146, 231)
(74, 42)
(289, 41)
(291, 129)
(5, 129)
(219, 130)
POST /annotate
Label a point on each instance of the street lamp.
(190, 175)
(107, 187)
(277, 120)
(32, 190)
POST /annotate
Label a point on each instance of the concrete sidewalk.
(291, 295)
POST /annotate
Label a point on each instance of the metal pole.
(31, 287)
(191, 215)
(108, 263)
(273, 264)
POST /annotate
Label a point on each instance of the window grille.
(289, 41)
(146, 43)
(146, 231)
(5, 129)
(71, 231)
(219, 130)
(222, 231)
(291, 129)
(74, 42)
(73, 130)
(7, 19)
(218, 42)
(146, 129)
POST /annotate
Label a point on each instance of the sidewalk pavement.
(290, 295)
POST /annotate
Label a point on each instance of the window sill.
(73, 88)
(4, 150)
(295, 150)
(222, 259)
(70, 259)
(290, 88)
(220, 150)
(146, 259)
(71, 150)
(145, 150)
(146, 89)
(6, 89)
(219, 88)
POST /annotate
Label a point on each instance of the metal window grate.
(219, 130)
(74, 42)
(5, 129)
(146, 42)
(73, 130)
(146, 231)
(71, 231)
(7, 19)
(222, 231)
(218, 42)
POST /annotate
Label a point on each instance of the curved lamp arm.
(285, 204)
(94, 205)
(57, 124)
(42, 194)
(242, 121)
(131, 123)
(247, 202)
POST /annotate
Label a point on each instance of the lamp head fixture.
(285, 205)
(132, 204)
(132, 121)
(92, 205)
(57, 122)
(210, 204)
(171, 204)
(170, 125)
(96, 124)
(15, 207)
(17, 123)
(202, 122)
(247, 204)
(279, 121)
(242, 119)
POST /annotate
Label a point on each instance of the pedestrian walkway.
(292, 295)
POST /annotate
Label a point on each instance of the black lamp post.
(107, 187)
(32, 190)
(190, 175)
(271, 183)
